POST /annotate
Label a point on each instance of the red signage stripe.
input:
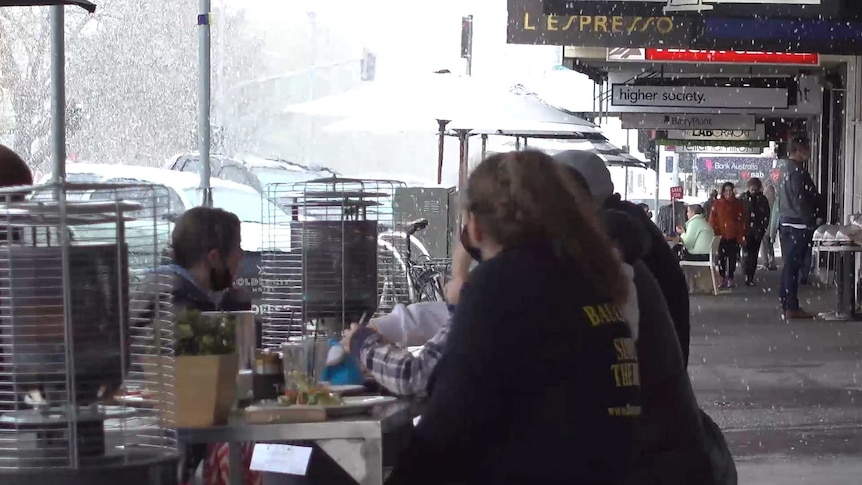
(731, 57)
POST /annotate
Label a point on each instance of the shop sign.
(636, 96)
(528, 24)
(757, 134)
(670, 121)
(730, 8)
(733, 168)
(729, 150)
(731, 57)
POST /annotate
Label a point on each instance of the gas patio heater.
(74, 342)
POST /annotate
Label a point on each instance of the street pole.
(312, 18)
(58, 93)
(204, 100)
(467, 42)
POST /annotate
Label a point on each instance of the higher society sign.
(637, 96)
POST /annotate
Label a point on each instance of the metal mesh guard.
(78, 384)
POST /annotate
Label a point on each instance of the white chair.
(712, 264)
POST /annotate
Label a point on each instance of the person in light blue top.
(696, 236)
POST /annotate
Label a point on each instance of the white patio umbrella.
(438, 101)
(599, 145)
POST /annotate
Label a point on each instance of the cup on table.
(304, 359)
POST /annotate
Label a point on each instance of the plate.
(357, 405)
(347, 389)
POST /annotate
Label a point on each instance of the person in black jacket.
(539, 382)
(658, 255)
(757, 211)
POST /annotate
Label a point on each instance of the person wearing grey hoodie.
(677, 443)
(658, 255)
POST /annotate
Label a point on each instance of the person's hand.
(680, 230)
(348, 334)
(461, 262)
(452, 291)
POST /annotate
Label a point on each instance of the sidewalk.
(788, 395)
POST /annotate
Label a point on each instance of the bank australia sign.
(633, 97)
(527, 24)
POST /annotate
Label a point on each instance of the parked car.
(183, 192)
(251, 171)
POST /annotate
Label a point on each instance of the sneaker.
(797, 315)
(722, 283)
(750, 282)
(731, 283)
(772, 268)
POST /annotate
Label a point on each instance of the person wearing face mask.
(205, 255)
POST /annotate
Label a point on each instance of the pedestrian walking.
(728, 220)
(798, 216)
(707, 206)
(757, 214)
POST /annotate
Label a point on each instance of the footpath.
(788, 395)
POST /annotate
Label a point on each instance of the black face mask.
(471, 250)
(220, 280)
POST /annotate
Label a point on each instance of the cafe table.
(355, 442)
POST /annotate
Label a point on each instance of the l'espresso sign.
(640, 96)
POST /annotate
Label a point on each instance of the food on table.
(304, 393)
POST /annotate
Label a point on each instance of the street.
(786, 394)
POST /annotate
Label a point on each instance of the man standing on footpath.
(798, 199)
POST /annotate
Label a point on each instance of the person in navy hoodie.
(539, 382)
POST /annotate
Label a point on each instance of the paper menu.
(287, 459)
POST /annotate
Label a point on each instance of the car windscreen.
(269, 176)
(246, 205)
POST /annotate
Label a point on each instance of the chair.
(712, 264)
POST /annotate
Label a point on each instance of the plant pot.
(205, 389)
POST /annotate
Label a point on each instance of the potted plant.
(205, 368)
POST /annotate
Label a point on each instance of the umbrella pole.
(464, 150)
(58, 93)
(517, 143)
(484, 145)
(441, 146)
(204, 100)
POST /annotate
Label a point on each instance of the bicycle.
(425, 278)
(406, 280)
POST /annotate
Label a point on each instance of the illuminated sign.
(735, 150)
(636, 96)
(731, 57)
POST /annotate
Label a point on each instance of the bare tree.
(131, 80)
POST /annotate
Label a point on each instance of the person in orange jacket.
(728, 220)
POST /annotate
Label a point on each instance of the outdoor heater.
(330, 256)
(71, 342)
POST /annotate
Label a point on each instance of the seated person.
(396, 368)
(696, 236)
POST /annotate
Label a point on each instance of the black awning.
(90, 7)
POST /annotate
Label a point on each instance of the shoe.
(722, 283)
(731, 283)
(772, 268)
(750, 282)
(797, 315)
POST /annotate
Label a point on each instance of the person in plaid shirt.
(395, 368)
